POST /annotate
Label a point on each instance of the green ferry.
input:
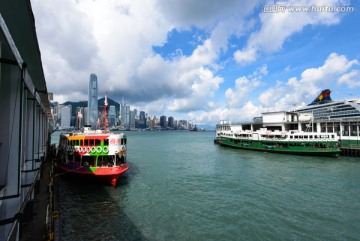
(286, 142)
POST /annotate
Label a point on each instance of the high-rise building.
(93, 101)
(142, 121)
(171, 122)
(123, 112)
(79, 115)
(112, 115)
(163, 121)
(127, 114)
(132, 119)
(65, 117)
(86, 116)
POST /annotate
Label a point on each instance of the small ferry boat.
(287, 142)
(93, 153)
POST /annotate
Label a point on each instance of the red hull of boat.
(108, 174)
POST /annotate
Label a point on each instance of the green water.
(181, 186)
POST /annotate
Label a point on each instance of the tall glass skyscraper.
(93, 101)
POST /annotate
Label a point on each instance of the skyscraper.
(65, 117)
(142, 121)
(112, 115)
(93, 101)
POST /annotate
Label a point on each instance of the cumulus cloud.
(336, 69)
(285, 95)
(278, 27)
(244, 85)
(351, 79)
(115, 40)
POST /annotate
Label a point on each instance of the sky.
(201, 61)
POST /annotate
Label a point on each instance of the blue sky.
(203, 61)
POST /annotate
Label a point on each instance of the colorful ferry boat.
(93, 153)
(286, 142)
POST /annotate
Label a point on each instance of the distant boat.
(286, 142)
(194, 128)
(93, 153)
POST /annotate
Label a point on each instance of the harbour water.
(181, 186)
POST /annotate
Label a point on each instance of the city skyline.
(204, 61)
(132, 118)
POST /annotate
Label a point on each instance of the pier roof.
(19, 20)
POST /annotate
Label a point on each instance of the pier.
(24, 128)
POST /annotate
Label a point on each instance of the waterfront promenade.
(35, 228)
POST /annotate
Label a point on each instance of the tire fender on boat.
(106, 149)
(98, 149)
(93, 150)
(88, 149)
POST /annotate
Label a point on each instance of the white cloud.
(245, 56)
(203, 89)
(244, 86)
(276, 28)
(115, 40)
(351, 79)
(285, 95)
(293, 92)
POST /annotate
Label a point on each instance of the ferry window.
(106, 142)
(291, 137)
(86, 142)
(124, 141)
(97, 142)
(81, 142)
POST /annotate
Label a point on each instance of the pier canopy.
(26, 117)
(19, 44)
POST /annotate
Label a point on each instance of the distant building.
(123, 112)
(163, 121)
(132, 119)
(171, 122)
(142, 120)
(86, 116)
(65, 117)
(93, 101)
(80, 120)
(183, 124)
(127, 116)
(112, 116)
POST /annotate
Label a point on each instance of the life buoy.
(88, 149)
(98, 149)
(106, 149)
(93, 150)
